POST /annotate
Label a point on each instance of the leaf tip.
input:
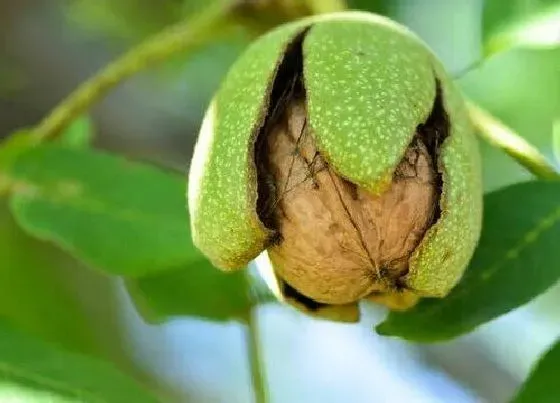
(384, 329)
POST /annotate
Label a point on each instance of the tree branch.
(183, 37)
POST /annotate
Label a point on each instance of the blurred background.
(47, 47)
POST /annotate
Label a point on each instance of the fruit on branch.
(340, 146)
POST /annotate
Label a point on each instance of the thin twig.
(182, 37)
(498, 134)
(255, 358)
(471, 67)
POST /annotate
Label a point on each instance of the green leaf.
(516, 260)
(508, 24)
(123, 217)
(542, 385)
(79, 134)
(34, 371)
(198, 290)
(128, 219)
(556, 140)
(10, 149)
(35, 293)
(375, 6)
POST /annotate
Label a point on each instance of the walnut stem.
(255, 357)
(498, 134)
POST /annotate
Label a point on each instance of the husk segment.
(222, 190)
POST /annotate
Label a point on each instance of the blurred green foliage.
(34, 371)
(542, 385)
(129, 219)
(198, 290)
(80, 133)
(127, 20)
(533, 23)
(556, 140)
(40, 298)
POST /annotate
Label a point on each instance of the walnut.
(339, 243)
(341, 147)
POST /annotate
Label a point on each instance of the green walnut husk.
(339, 145)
